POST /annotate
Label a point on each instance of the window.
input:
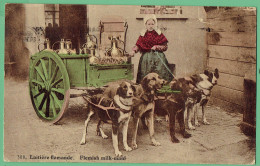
(51, 14)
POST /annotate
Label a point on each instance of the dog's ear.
(206, 72)
(144, 82)
(210, 76)
(173, 84)
(195, 78)
(119, 90)
(133, 88)
(190, 82)
(136, 89)
(216, 73)
(183, 82)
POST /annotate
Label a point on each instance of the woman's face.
(150, 24)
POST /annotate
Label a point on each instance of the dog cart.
(54, 72)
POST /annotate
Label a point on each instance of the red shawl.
(151, 38)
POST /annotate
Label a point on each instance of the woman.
(151, 44)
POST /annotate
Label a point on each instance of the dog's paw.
(167, 118)
(155, 143)
(128, 149)
(83, 142)
(197, 124)
(190, 127)
(186, 135)
(205, 122)
(98, 133)
(118, 153)
(175, 140)
(104, 136)
(134, 146)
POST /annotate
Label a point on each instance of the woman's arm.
(135, 49)
(160, 48)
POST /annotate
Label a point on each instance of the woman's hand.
(159, 47)
(132, 53)
(135, 49)
(154, 48)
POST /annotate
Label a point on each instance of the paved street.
(221, 142)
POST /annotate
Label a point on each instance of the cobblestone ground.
(221, 142)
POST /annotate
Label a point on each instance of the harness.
(166, 97)
(112, 106)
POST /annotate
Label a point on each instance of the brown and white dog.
(173, 105)
(144, 105)
(203, 83)
(114, 106)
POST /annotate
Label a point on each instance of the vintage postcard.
(129, 84)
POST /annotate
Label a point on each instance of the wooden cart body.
(52, 75)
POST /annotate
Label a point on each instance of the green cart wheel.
(49, 86)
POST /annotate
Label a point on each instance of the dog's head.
(212, 77)
(125, 90)
(205, 81)
(187, 89)
(124, 96)
(180, 85)
(152, 82)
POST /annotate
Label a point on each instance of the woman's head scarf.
(146, 18)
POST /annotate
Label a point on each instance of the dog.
(114, 106)
(144, 105)
(203, 83)
(173, 105)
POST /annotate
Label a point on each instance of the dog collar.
(126, 101)
(120, 104)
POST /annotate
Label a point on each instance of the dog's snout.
(164, 82)
(130, 93)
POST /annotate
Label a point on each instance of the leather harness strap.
(112, 107)
(166, 97)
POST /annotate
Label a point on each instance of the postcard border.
(233, 3)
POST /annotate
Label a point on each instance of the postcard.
(87, 83)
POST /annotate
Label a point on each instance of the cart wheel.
(49, 86)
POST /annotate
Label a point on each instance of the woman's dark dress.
(151, 61)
